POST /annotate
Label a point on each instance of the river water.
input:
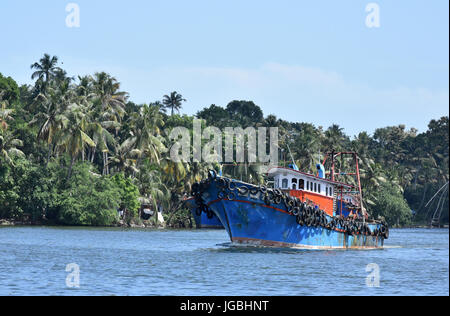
(33, 261)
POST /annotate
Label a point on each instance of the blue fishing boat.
(301, 210)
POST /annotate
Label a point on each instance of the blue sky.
(305, 61)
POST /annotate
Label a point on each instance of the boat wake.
(252, 247)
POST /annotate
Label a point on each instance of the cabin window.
(301, 184)
(331, 191)
(307, 185)
(284, 183)
(315, 187)
(294, 184)
(320, 191)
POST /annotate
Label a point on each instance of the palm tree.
(104, 141)
(46, 68)
(125, 159)
(74, 138)
(334, 138)
(271, 121)
(174, 173)
(53, 116)
(84, 87)
(110, 99)
(306, 148)
(8, 147)
(108, 106)
(8, 143)
(5, 114)
(173, 101)
(146, 133)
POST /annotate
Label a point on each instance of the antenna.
(290, 153)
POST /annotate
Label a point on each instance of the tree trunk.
(104, 163)
(49, 154)
(107, 165)
(72, 162)
(93, 155)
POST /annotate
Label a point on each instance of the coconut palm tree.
(74, 137)
(146, 133)
(46, 69)
(8, 147)
(108, 106)
(334, 138)
(5, 114)
(84, 87)
(173, 102)
(125, 159)
(110, 100)
(53, 117)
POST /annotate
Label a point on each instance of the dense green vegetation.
(74, 151)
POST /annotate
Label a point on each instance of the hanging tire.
(231, 185)
(332, 225)
(263, 189)
(277, 199)
(243, 191)
(198, 200)
(231, 196)
(195, 188)
(222, 183)
(309, 221)
(299, 220)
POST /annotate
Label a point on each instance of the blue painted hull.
(250, 221)
(202, 221)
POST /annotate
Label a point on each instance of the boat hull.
(202, 220)
(258, 225)
(250, 221)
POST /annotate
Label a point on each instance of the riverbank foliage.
(76, 150)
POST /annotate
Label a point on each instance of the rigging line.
(440, 205)
(436, 194)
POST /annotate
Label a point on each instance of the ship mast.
(333, 157)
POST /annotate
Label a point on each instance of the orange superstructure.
(325, 203)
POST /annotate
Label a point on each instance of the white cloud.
(292, 92)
